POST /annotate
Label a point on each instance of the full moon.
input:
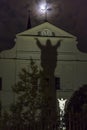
(43, 7)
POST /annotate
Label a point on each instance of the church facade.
(48, 46)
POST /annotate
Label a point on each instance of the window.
(46, 32)
(57, 83)
(0, 83)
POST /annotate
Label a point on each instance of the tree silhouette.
(78, 99)
(27, 107)
(77, 106)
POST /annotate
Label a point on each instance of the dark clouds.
(69, 15)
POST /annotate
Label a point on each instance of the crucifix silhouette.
(48, 55)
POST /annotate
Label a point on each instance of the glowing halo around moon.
(42, 11)
(43, 7)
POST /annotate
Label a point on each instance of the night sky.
(70, 15)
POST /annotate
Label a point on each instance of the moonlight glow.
(43, 7)
(43, 10)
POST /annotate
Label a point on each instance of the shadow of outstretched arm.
(38, 43)
(58, 44)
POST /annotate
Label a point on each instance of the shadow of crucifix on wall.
(48, 62)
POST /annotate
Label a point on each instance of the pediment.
(46, 29)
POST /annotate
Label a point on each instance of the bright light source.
(43, 7)
(42, 10)
(62, 103)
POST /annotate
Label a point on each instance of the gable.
(46, 29)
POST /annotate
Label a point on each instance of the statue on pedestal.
(62, 103)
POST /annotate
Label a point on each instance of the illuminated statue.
(62, 105)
